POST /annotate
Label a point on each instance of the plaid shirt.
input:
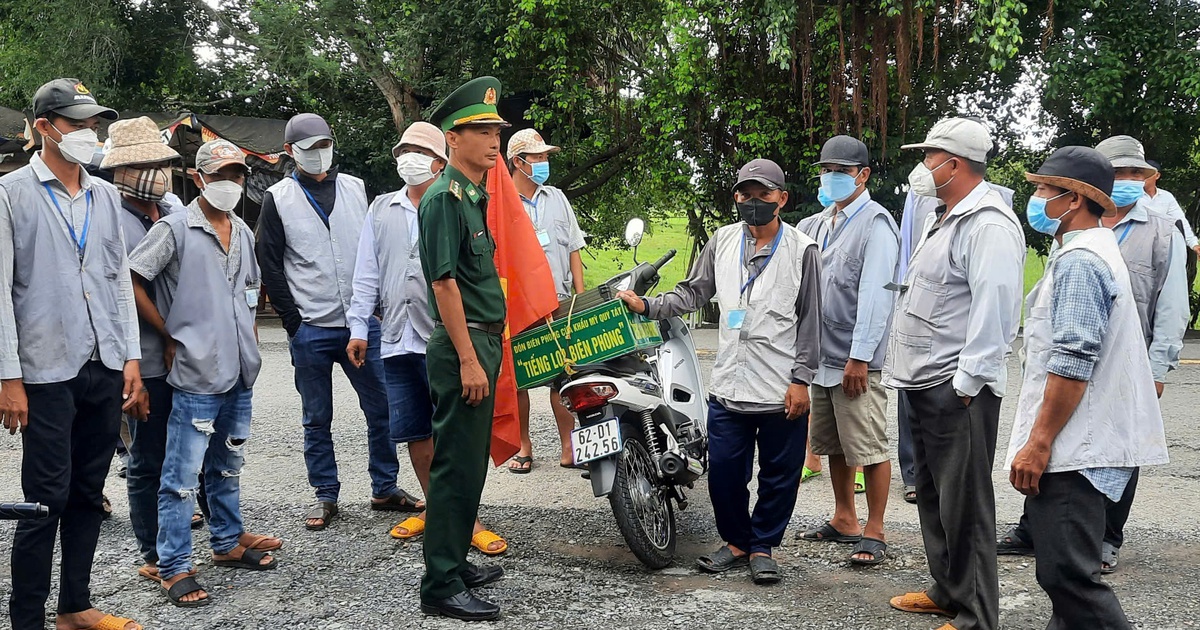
(1080, 307)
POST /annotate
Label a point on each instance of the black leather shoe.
(464, 607)
(476, 576)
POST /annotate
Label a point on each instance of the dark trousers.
(146, 453)
(67, 449)
(732, 438)
(954, 447)
(1066, 521)
(904, 448)
(462, 438)
(1116, 513)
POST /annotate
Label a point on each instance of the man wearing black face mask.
(766, 278)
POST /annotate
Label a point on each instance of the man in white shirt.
(1165, 203)
(561, 239)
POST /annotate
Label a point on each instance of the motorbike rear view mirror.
(633, 234)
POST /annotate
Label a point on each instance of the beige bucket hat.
(136, 141)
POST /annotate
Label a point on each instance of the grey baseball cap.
(305, 130)
(68, 97)
(844, 151)
(963, 137)
(1124, 152)
(214, 155)
(762, 171)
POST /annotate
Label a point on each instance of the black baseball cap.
(305, 130)
(68, 97)
(844, 151)
(762, 171)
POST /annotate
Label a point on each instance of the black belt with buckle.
(491, 329)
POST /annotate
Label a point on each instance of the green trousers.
(462, 437)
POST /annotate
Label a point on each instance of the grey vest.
(929, 324)
(65, 309)
(211, 322)
(403, 293)
(152, 364)
(841, 269)
(1147, 253)
(319, 260)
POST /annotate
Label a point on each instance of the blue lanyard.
(1125, 233)
(844, 223)
(758, 272)
(316, 206)
(81, 240)
(536, 218)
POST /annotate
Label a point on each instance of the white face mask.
(313, 161)
(78, 146)
(920, 180)
(415, 169)
(223, 195)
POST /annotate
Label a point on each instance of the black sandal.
(829, 533)
(521, 468)
(910, 494)
(324, 510)
(251, 560)
(877, 548)
(1013, 544)
(400, 501)
(721, 561)
(185, 587)
(764, 570)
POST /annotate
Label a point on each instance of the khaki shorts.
(856, 429)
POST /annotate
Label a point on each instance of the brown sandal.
(258, 542)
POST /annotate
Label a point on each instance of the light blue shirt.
(874, 299)
(366, 284)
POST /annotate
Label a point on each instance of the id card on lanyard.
(312, 200)
(737, 317)
(81, 239)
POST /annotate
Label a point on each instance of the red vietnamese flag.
(528, 290)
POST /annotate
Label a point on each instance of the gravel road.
(568, 566)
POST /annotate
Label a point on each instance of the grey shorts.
(855, 429)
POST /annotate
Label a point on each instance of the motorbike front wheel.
(641, 506)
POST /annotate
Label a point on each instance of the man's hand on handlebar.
(633, 301)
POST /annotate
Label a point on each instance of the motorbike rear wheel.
(641, 505)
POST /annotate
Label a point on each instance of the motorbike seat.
(622, 366)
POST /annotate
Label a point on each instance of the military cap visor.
(474, 103)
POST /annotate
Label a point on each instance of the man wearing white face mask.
(859, 245)
(308, 235)
(956, 316)
(388, 279)
(69, 351)
(561, 239)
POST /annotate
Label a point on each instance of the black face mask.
(757, 212)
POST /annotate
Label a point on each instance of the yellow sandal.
(110, 622)
(484, 538)
(409, 528)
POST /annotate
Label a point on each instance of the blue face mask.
(838, 186)
(823, 199)
(1035, 212)
(540, 172)
(1126, 192)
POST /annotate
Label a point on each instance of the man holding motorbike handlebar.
(766, 278)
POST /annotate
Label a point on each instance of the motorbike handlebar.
(21, 511)
(658, 264)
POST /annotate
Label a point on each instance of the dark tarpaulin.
(12, 130)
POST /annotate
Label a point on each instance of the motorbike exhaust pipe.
(680, 468)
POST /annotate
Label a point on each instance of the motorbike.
(21, 511)
(643, 424)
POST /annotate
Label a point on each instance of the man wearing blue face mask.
(859, 245)
(1087, 415)
(1153, 248)
(558, 232)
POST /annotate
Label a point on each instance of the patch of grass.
(602, 264)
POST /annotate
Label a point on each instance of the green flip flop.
(807, 473)
(860, 483)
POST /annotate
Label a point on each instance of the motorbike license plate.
(596, 441)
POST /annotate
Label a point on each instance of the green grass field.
(602, 264)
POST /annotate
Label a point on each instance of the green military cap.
(472, 104)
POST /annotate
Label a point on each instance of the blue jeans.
(147, 450)
(209, 432)
(732, 437)
(315, 350)
(408, 397)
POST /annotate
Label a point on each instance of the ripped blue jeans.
(205, 432)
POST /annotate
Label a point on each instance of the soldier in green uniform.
(463, 358)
